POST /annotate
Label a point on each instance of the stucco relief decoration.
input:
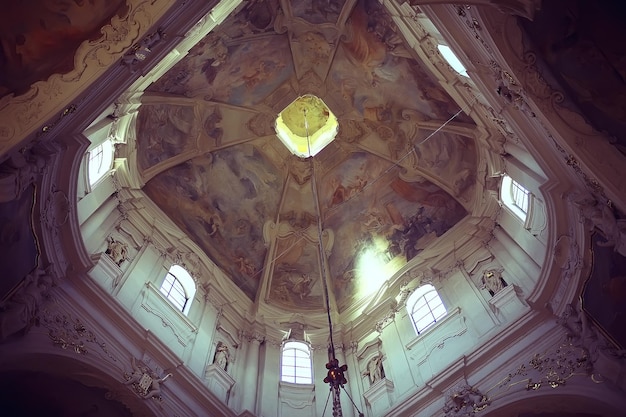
(56, 210)
(465, 401)
(602, 216)
(20, 170)
(71, 333)
(142, 50)
(144, 381)
(576, 356)
(510, 91)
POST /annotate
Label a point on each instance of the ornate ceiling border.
(20, 116)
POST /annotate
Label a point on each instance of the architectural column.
(93, 224)
(251, 374)
(521, 258)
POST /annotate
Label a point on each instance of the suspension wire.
(360, 191)
(352, 401)
(319, 233)
(405, 156)
(327, 398)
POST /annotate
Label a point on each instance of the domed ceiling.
(386, 187)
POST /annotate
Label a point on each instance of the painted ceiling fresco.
(582, 43)
(386, 186)
(39, 38)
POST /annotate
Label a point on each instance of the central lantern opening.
(306, 126)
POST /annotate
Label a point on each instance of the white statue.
(221, 356)
(117, 251)
(492, 281)
(375, 369)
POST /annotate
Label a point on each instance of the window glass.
(515, 197)
(425, 308)
(296, 363)
(179, 288)
(100, 161)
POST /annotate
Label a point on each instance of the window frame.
(103, 155)
(431, 308)
(296, 377)
(509, 196)
(185, 282)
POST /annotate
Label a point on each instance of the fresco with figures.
(221, 200)
(39, 38)
(166, 131)
(387, 184)
(582, 45)
(377, 213)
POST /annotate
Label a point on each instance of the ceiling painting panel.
(222, 201)
(39, 38)
(252, 19)
(239, 78)
(164, 131)
(452, 158)
(317, 12)
(241, 74)
(296, 278)
(382, 216)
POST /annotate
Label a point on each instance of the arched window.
(100, 161)
(425, 308)
(296, 364)
(179, 288)
(515, 197)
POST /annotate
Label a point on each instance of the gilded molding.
(69, 333)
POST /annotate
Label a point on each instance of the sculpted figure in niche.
(492, 281)
(117, 251)
(19, 313)
(221, 356)
(375, 369)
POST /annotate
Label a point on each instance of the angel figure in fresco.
(281, 292)
(302, 285)
(245, 266)
(342, 193)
